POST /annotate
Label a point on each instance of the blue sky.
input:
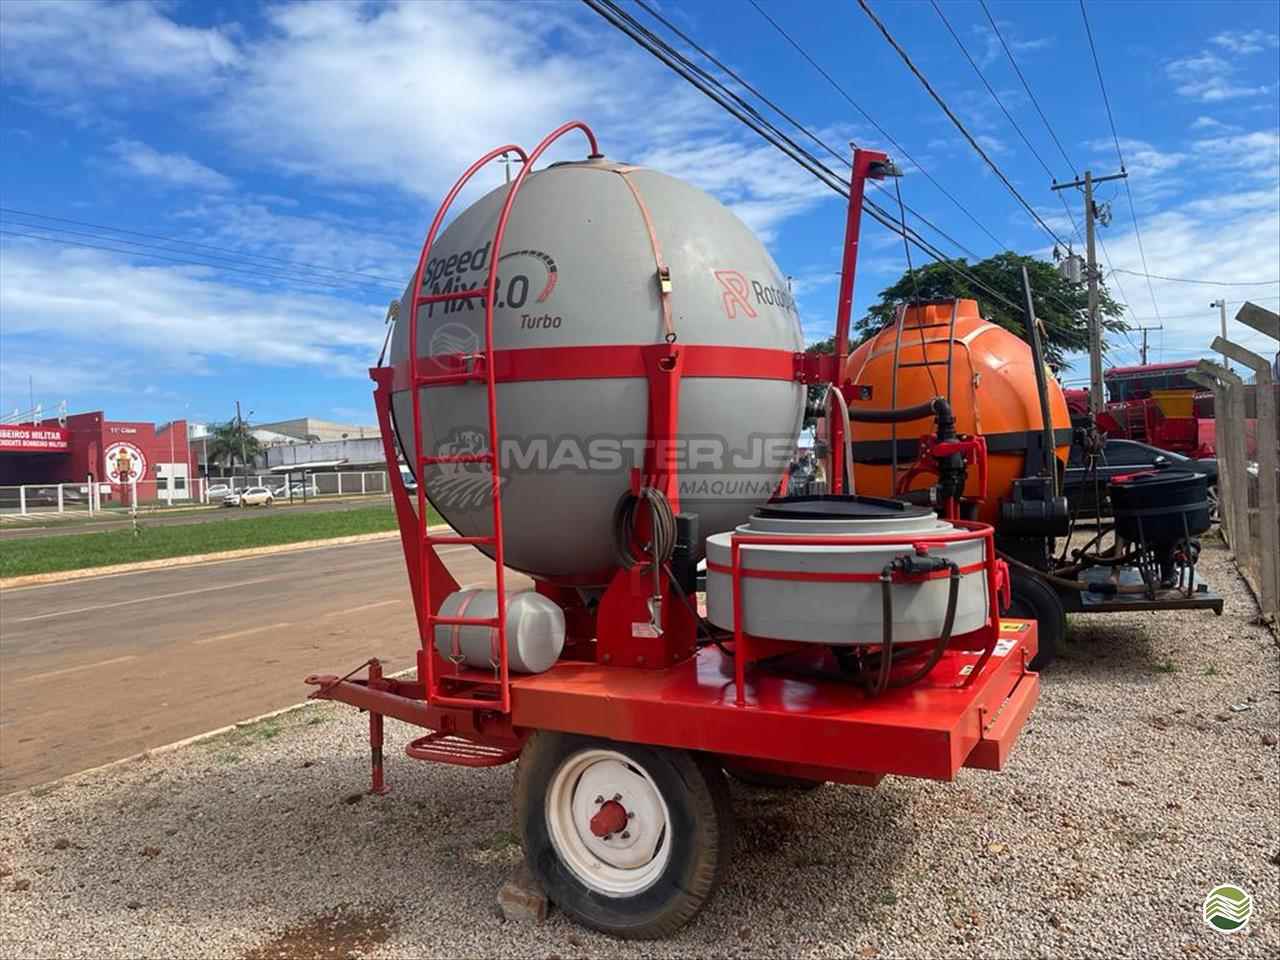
(281, 135)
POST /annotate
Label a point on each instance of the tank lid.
(840, 507)
(1156, 478)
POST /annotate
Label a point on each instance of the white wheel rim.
(627, 862)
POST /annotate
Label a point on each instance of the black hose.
(702, 625)
(936, 406)
(886, 614)
(948, 622)
(1082, 586)
(884, 667)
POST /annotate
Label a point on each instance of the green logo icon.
(1227, 908)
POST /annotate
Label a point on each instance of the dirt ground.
(1147, 774)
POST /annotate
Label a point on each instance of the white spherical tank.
(578, 269)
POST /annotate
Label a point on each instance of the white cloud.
(991, 49)
(1192, 242)
(176, 318)
(381, 250)
(1208, 78)
(167, 169)
(1255, 154)
(62, 47)
(404, 95)
(1246, 41)
(1210, 123)
(374, 109)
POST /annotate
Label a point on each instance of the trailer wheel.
(1033, 599)
(628, 839)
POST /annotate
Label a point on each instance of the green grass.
(260, 528)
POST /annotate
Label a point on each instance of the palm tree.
(231, 443)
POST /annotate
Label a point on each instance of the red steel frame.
(663, 691)
(866, 164)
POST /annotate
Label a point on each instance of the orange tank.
(992, 391)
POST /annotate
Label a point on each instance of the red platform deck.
(826, 728)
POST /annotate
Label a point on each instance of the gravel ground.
(1134, 790)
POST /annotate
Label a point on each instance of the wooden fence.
(1249, 466)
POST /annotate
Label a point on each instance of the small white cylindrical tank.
(846, 612)
(535, 630)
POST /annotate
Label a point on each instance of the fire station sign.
(125, 463)
(14, 439)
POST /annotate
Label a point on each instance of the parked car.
(410, 484)
(297, 489)
(1127, 456)
(219, 490)
(250, 497)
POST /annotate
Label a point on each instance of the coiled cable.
(662, 529)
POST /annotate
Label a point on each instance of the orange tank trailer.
(993, 394)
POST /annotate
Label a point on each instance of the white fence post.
(362, 484)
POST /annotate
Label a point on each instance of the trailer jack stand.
(378, 786)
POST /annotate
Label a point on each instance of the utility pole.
(1095, 327)
(1222, 311)
(506, 161)
(1144, 341)
(244, 457)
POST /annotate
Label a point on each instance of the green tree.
(1060, 304)
(231, 443)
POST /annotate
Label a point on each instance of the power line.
(958, 124)
(1097, 66)
(206, 259)
(662, 51)
(1026, 86)
(778, 110)
(1133, 210)
(1124, 299)
(156, 256)
(1208, 283)
(1000, 244)
(994, 96)
(1200, 316)
(239, 255)
(1008, 116)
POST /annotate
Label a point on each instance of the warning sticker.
(1015, 626)
(1003, 648)
(644, 629)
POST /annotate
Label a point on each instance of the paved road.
(213, 515)
(94, 670)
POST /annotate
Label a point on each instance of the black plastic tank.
(1160, 507)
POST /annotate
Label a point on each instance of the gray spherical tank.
(577, 269)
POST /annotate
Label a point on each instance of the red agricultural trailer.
(623, 743)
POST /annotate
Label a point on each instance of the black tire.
(771, 781)
(1033, 599)
(700, 833)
